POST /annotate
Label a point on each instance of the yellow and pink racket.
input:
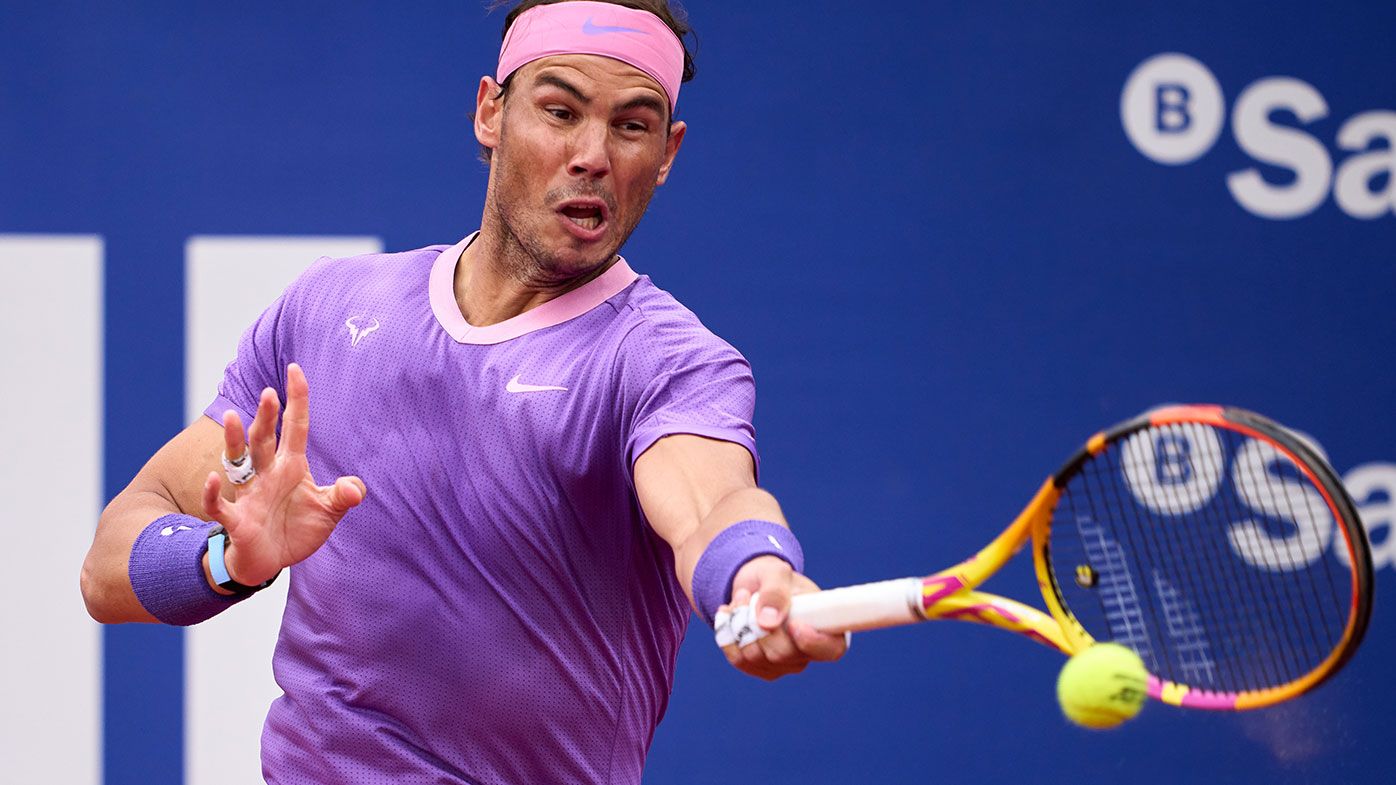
(1217, 544)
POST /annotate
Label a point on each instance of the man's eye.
(561, 114)
(635, 127)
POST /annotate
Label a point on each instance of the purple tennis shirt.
(497, 610)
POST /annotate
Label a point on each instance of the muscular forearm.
(106, 578)
(169, 483)
(106, 581)
(696, 494)
(272, 523)
(739, 505)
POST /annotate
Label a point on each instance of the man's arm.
(170, 482)
(691, 489)
(274, 521)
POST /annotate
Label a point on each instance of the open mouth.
(586, 216)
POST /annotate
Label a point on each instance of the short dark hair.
(671, 13)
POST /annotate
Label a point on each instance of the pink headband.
(582, 27)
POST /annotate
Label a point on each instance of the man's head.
(578, 126)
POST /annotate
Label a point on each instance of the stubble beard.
(529, 260)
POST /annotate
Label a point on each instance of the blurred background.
(953, 239)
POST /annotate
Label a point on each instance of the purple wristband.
(167, 571)
(730, 549)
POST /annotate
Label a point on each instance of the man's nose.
(590, 155)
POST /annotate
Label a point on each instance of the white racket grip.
(868, 606)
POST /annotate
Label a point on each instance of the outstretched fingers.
(216, 508)
(295, 426)
(261, 437)
(234, 437)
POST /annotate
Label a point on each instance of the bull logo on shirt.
(360, 327)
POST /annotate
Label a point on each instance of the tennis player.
(537, 460)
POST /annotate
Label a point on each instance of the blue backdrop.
(927, 227)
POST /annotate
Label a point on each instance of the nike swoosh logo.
(591, 28)
(514, 386)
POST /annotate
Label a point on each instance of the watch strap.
(217, 548)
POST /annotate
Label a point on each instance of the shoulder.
(661, 332)
(331, 275)
(332, 289)
(663, 338)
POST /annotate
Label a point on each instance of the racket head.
(1217, 544)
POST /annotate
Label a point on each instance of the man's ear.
(675, 141)
(489, 112)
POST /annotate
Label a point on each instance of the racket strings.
(1322, 637)
(1119, 596)
(1170, 611)
(1286, 647)
(1195, 657)
(1282, 560)
(1261, 641)
(1298, 602)
(1205, 556)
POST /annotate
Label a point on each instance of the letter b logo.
(1172, 108)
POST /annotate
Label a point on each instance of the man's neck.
(496, 280)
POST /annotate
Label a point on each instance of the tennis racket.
(1215, 543)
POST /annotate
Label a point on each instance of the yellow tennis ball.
(1102, 686)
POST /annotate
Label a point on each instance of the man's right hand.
(280, 516)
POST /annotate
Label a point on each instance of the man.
(543, 460)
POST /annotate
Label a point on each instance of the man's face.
(579, 145)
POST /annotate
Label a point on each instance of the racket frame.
(951, 593)
(1319, 474)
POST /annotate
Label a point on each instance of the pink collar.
(442, 291)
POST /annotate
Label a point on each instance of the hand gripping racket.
(1215, 543)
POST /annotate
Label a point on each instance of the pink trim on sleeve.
(442, 292)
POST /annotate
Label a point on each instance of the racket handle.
(867, 606)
